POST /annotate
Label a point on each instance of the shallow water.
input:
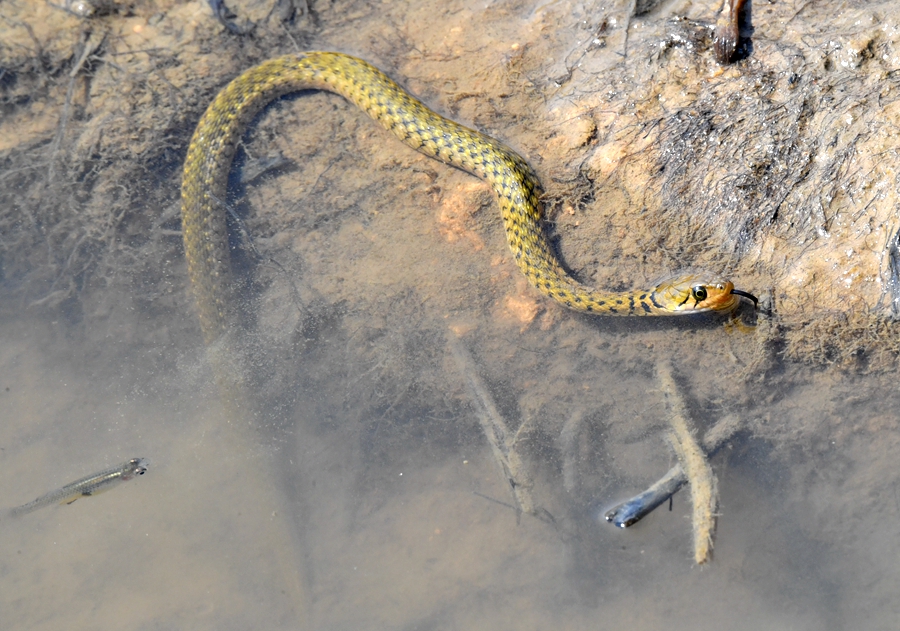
(386, 520)
(363, 493)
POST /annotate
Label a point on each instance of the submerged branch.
(704, 492)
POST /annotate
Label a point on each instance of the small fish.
(85, 487)
(632, 511)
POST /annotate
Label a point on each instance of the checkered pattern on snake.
(515, 183)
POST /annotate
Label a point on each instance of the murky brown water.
(362, 495)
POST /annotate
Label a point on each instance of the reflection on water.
(363, 494)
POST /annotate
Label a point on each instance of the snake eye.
(699, 293)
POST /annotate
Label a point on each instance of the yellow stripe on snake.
(518, 189)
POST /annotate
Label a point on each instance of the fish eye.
(699, 293)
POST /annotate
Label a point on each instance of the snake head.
(691, 293)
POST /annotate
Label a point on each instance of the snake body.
(517, 187)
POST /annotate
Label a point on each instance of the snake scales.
(518, 190)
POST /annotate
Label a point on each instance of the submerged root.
(498, 434)
(704, 491)
(636, 508)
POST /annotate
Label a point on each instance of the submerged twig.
(91, 42)
(704, 492)
(496, 431)
(569, 441)
(633, 510)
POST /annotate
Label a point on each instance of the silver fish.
(85, 487)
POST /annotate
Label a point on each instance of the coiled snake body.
(518, 189)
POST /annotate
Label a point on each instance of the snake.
(518, 190)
